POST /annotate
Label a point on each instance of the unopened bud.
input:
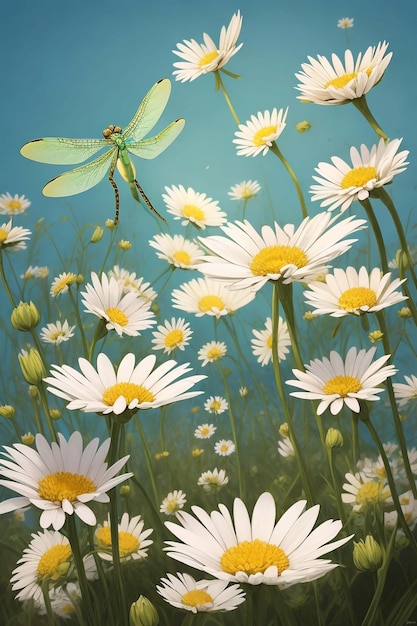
(404, 312)
(7, 411)
(368, 554)
(55, 414)
(143, 613)
(303, 126)
(28, 439)
(109, 224)
(97, 234)
(124, 245)
(334, 438)
(25, 316)
(375, 336)
(284, 430)
(32, 366)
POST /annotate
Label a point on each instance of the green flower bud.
(55, 414)
(7, 411)
(375, 336)
(303, 126)
(143, 613)
(32, 366)
(404, 312)
(25, 316)
(367, 555)
(334, 438)
(284, 431)
(109, 223)
(97, 234)
(28, 439)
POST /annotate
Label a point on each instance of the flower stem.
(220, 85)
(4, 281)
(87, 606)
(148, 461)
(274, 148)
(377, 232)
(362, 106)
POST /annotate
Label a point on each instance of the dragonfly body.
(120, 145)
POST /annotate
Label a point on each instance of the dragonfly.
(63, 151)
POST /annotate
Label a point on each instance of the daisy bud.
(25, 316)
(33, 391)
(367, 555)
(334, 438)
(309, 316)
(32, 366)
(143, 613)
(303, 126)
(124, 245)
(196, 452)
(27, 439)
(404, 312)
(109, 224)
(97, 234)
(375, 336)
(55, 414)
(7, 411)
(125, 491)
(79, 279)
(283, 430)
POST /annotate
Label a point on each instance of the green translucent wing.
(152, 147)
(82, 178)
(61, 150)
(149, 111)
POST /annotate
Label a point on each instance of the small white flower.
(409, 508)
(62, 283)
(177, 250)
(262, 344)
(345, 22)
(211, 352)
(205, 431)
(245, 190)
(193, 207)
(224, 447)
(57, 333)
(12, 205)
(362, 492)
(173, 502)
(216, 404)
(133, 540)
(202, 596)
(205, 296)
(258, 134)
(171, 335)
(130, 283)
(285, 448)
(405, 392)
(13, 238)
(212, 481)
(35, 272)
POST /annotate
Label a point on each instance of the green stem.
(286, 292)
(362, 106)
(44, 403)
(4, 280)
(220, 85)
(87, 606)
(377, 232)
(79, 321)
(148, 461)
(274, 148)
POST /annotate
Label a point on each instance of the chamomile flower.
(13, 237)
(262, 344)
(258, 550)
(224, 447)
(57, 333)
(35, 272)
(131, 387)
(285, 448)
(193, 207)
(59, 478)
(336, 382)
(133, 541)
(130, 283)
(12, 205)
(258, 134)
(248, 259)
(353, 292)
(199, 59)
(212, 481)
(406, 392)
(345, 22)
(245, 190)
(171, 335)
(173, 502)
(205, 296)
(340, 184)
(211, 352)
(362, 492)
(177, 250)
(216, 405)
(409, 508)
(202, 596)
(62, 283)
(126, 314)
(205, 431)
(335, 82)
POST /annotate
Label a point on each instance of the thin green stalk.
(148, 461)
(45, 407)
(4, 280)
(377, 232)
(286, 299)
(362, 106)
(220, 85)
(274, 148)
(87, 606)
(79, 321)
(47, 601)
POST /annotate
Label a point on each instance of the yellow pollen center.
(358, 177)
(129, 391)
(181, 256)
(208, 58)
(253, 557)
(193, 212)
(357, 297)
(271, 259)
(205, 430)
(224, 448)
(14, 205)
(117, 316)
(196, 597)
(64, 486)
(269, 342)
(128, 543)
(341, 81)
(208, 303)
(214, 354)
(262, 136)
(369, 493)
(342, 385)
(246, 193)
(57, 334)
(55, 562)
(3, 235)
(215, 405)
(66, 281)
(172, 506)
(173, 338)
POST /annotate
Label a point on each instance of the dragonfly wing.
(149, 111)
(80, 179)
(152, 147)
(61, 150)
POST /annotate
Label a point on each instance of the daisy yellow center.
(205, 430)
(55, 336)
(173, 338)
(215, 405)
(64, 486)
(64, 282)
(14, 205)
(253, 557)
(193, 212)
(181, 256)
(246, 193)
(129, 391)
(3, 235)
(358, 177)
(341, 81)
(172, 506)
(262, 135)
(128, 543)
(117, 316)
(356, 297)
(271, 259)
(269, 342)
(342, 385)
(208, 303)
(55, 562)
(368, 493)
(208, 58)
(196, 597)
(381, 472)
(214, 354)
(224, 447)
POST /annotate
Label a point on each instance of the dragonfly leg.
(148, 202)
(116, 191)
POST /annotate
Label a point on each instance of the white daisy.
(216, 404)
(345, 22)
(57, 333)
(12, 205)
(133, 542)
(59, 478)
(245, 190)
(131, 387)
(184, 592)
(205, 296)
(177, 250)
(409, 508)
(351, 292)
(173, 502)
(193, 207)
(224, 447)
(199, 59)
(130, 283)
(213, 481)
(211, 352)
(13, 238)
(285, 448)
(362, 492)
(405, 392)
(336, 382)
(64, 600)
(340, 184)
(328, 83)
(257, 550)
(262, 344)
(258, 134)
(171, 335)
(35, 272)
(205, 431)
(62, 283)
(248, 259)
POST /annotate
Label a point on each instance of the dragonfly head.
(111, 130)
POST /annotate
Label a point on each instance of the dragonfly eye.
(107, 132)
(117, 129)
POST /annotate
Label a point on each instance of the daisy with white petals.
(262, 344)
(177, 250)
(130, 282)
(362, 492)
(57, 333)
(205, 431)
(333, 83)
(193, 207)
(62, 283)
(13, 238)
(336, 382)
(244, 190)
(199, 59)
(216, 405)
(202, 596)
(224, 447)
(173, 502)
(133, 542)
(213, 481)
(249, 259)
(59, 478)
(131, 387)
(406, 392)
(256, 550)
(211, 352)
(205, 296)
(351, 292)
(258, 134)
(345, 22)
(12, 205)
(171, 335)
(340, 184)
